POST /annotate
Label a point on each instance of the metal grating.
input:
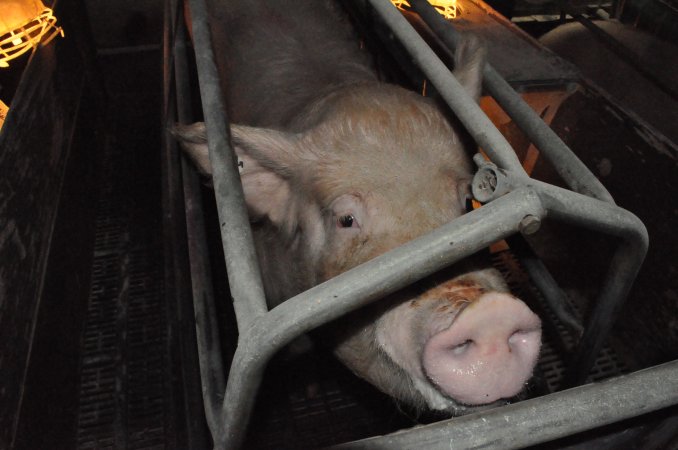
(316, 403)
(125, 381)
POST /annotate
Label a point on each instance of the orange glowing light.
(3, 113)
(23, 25)
(448, 8)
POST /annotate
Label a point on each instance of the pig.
(622, 81)
(337, 168)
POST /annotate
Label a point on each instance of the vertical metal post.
(176, 94)
(244, 276)
(212, 369)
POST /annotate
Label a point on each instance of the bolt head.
(529, 224)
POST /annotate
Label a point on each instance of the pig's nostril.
(522, 338)
(462, 348)
(487, 353)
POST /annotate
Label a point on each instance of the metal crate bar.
(587, 212)
(262, 333)
(357, 287)
(624, 263)
(577, 176)
(624, 266)
(244, 276)
(570, 168)
(212, 370)
(545, 418)
(469, 113)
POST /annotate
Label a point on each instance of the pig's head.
(368, 168)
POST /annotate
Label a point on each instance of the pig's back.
(610, 72)
(276, 57)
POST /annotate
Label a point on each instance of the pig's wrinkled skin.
(338, 168)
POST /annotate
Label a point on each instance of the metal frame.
(524, 203)
(542, 419)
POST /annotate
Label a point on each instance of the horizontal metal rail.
(262, 333)
(545, 418)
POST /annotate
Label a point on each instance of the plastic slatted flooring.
(125, 396)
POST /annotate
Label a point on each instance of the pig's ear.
(268, 160)
(193, 140)
(469, 61)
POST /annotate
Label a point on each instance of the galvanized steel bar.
(622, 272)
(404, 265)
(590, 213)
(595, 215)
(357, 287)
(177, 279)
(623, 269)
(577, 176)
(212, 371)
(262, 334)
(546, 284)
(177, 107)
(545, 418)
(244, 276)
(469, 113)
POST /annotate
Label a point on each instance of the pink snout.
(488, 352)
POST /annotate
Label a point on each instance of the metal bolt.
(529, 224)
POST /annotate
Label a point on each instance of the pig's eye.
(347, 221)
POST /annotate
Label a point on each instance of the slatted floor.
(126, 380)
(124, 361)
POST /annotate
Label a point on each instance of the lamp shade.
(23, 25)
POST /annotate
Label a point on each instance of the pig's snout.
(488, 352)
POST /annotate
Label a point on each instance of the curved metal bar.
(491, 182)
(357, 287)
(592, 214)
(545, 418)
(626, 262)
